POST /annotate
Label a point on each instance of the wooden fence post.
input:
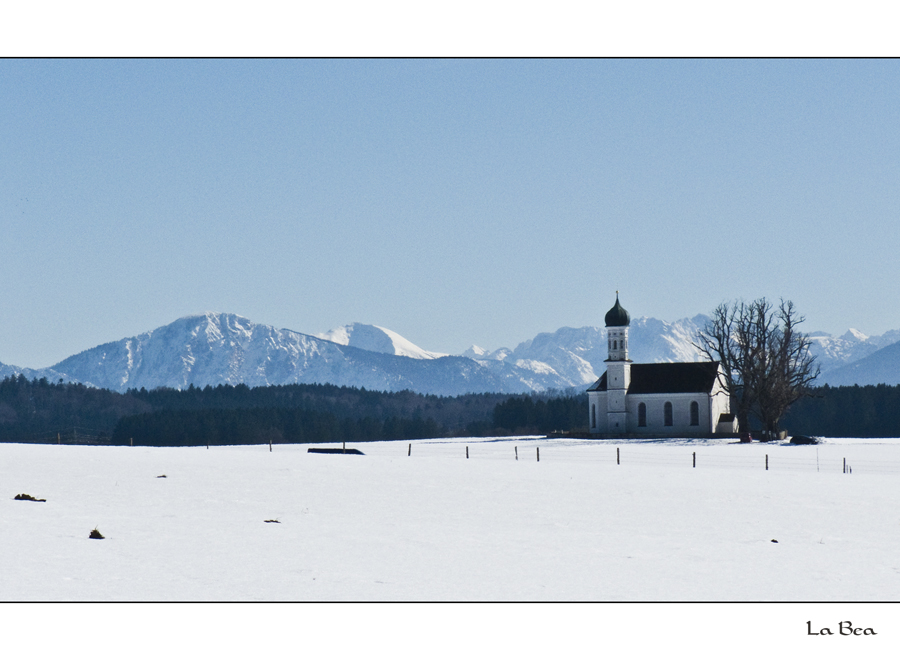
(695, 459)
(845, 465)
(270, 445)
(517, 452)
(467, 451)
(617, 456)
(767, 461)
(538, 454)
(409, 451)
(343, 447)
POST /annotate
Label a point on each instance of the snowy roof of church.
(617, 316)
(668, 378)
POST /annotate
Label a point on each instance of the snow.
(406, 348)
(854, 335)
(377, 339)
(215, 348)
(435, 526)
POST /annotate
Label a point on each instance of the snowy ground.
(435, 526)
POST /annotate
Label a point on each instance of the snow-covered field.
(435, 526)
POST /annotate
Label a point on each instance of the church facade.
(670, 399)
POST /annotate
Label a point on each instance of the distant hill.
(881, 366)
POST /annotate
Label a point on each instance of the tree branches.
(766, 362)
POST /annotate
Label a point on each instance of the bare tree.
(786, 369)
(766, 362)
(718, 341)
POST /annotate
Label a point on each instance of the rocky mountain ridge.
(214, 348)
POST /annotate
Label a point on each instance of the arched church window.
(667, 413)
(642, 414)
(695, 413)
(615, 346)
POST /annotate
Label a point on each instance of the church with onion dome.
(666, 399)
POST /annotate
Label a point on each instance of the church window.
(695, 413)
(593, 415)
(667, 413)
(642, 414)
(615, 347)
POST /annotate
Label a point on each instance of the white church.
(668, 399)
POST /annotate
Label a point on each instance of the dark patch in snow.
(333, 450)
(27, 497)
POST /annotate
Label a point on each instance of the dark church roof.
(617, 317)
(668, 378)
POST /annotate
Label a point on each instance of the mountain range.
(219, 348)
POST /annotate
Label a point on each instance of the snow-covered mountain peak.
(853, 335)
(215, 347)
(377, 339)
(478, 353)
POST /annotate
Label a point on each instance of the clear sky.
(452, 201)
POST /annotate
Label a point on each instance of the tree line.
(531, 415)
(37, 411)
(250, 426)
(870, 411)
(42, 411)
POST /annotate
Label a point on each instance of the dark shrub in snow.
(804, 440)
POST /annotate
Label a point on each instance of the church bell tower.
(618, 370)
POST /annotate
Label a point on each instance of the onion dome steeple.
(617, 317)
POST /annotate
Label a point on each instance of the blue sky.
(453, 201)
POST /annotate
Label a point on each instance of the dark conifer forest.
(870, 411)
(41, 411)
